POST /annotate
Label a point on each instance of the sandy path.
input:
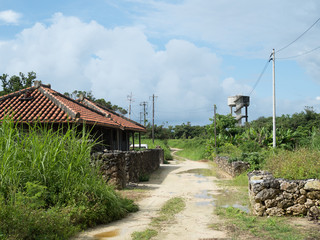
(166, 183)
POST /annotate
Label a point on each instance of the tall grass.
(50, 173)
(302, 163)
(194, 149)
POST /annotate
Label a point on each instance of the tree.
(76, 94)
(16, 83)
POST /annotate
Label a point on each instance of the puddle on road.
(208, 199)
(106, 235)
(225, 199)
(200, 172)
(204, 172)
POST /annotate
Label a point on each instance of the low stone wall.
(119, 168)
(233, 168)
(271, 196)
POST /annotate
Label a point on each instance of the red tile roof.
(46, 105)
(125, 123)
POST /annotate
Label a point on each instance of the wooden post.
(139, 139)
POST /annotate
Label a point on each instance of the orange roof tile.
(126, 123)
(46, 105)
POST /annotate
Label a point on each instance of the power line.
(299, 36)
(301, 54)
(194, 110)
(260, 76)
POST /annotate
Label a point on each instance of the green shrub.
(230, 150)
(249, 146)
(256, 159)
(21, 221)
(299, 164)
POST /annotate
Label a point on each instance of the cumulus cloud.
(75, 55)
(71, 54)
(242, 27)
(9, 17)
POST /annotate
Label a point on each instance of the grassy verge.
(194, 149)
(166, 215)
(299, 164)
(240, 223)
(48, 187)
(243, 225)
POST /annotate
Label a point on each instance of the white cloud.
(9, 17)
(74, 55)
(71, 54)
(243, 27)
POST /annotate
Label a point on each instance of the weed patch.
(168, 210)
(299, 164)
(166, 214)
(145, 235)
(268, 228)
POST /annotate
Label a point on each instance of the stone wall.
(233, 168)
(271, 196)
(119, 167)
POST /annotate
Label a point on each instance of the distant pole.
(153, 96)
(274, 100)
(215, 127)
(144, 112)
(130, 99)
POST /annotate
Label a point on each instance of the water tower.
(239, 102)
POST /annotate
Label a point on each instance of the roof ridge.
(17, 93)
(97, 105)
(119, 115)
(96, 108)
(60, 104)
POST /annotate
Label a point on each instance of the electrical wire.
(260, 76)
(197, 110)
(299, 36)
(301, 54)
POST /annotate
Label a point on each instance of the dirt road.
(178, 179)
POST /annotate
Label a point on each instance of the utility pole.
(215, 127)
(274, 98)
(140, 117)
(144, 104)
(153, 96)
(130, 99)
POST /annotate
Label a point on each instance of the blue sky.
(192, 54)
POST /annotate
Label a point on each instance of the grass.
(302, 163)
(168, 211)
(48, 186)
(162, 143)
(243, 224)
(144, 235)
(166, 215)
(238, 181)
(194, 149)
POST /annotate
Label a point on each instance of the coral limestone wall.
(233, 168)
(271, 196)
(119, 168)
